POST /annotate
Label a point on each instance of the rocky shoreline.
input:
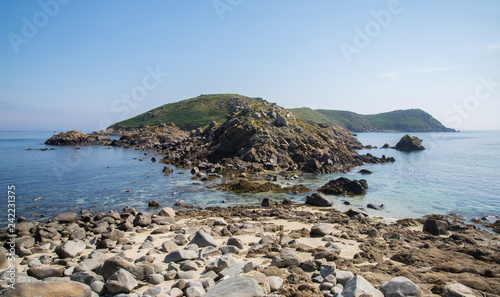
(274, 250)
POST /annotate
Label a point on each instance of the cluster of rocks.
(249, 251)
(345, 186)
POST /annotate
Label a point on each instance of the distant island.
(204, 109)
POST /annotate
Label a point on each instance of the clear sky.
(84, 64)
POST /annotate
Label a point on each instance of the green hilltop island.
(230, 133)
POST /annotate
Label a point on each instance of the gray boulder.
(457, 290)
(357, 286)
(321, 230)
(235, 269)
(180, 255)
(236, 287)
(287, 257)
(318, 199)
(400, 287)
(236, 242)
(121, 282)
(142, 219)
(42, 272)
(67, 217)
(203, 239)
(70, 249)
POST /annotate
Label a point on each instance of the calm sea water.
(459, 172)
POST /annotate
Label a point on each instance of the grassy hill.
(409, 120)
(204, 109)
(190, 113)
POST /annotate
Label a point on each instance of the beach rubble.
(277, 250)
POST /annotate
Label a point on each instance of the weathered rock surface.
(70, 249)
(56, 289)
(400, 287)
(318, 199)
(121, 282)
(358, 286)
(345, 186)
(236, 287)
(287, 257)
(409, 143)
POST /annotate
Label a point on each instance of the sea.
(458, 173)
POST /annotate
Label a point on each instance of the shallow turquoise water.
(459, 172)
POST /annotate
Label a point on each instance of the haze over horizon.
(81, 65)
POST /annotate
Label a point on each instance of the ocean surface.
(458, 173)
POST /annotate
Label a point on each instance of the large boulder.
(357, 286)
(121, 282)
(345, 186)
(236, 287)
(180, 255)
(400, 287)
(60, 289)
(167, 212)
(287, 257)
(318, 199)
(42, 272)
(203, 239)
(321, 230)
(70, 249)
(436, 227)
(409, 143)
(142, 219)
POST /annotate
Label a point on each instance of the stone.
(155, 291)
(87, 277)
(409, 143)
(113, 235)
(236, 242)
(67, 217)
(154, 203)
(142, 219)
(209, 251)
(267, 202)
(358, 286)
(436, 227)
(457, 290)
(375, 206)
(287, 257)
(236, 269)
(188, 266)
(140, 271)
(156, 279)
(42, 272)
(400, 287)
(220, 222)
(236, 287)
(180, 255)
(343, 276)
(167, 170)
(229, 249)
(275, 283)
(99, 287)
(3, 260)
(327, 269)
(70, 249)
(321, 230)
(180, 239)
(78, 234)
(62, 288)
(356, 212)
(344, 186)
(187, 275)
(121, 282)
(220, 263)
(169, 246)
(203, 239)
(318, 199)
(167, 212)
(280, 121)
(194, 291)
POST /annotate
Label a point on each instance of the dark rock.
(436, 227)
(154, 203)
(355, 212)
(287, 201)
(153, 159)
(375, 206)
(321, 230)
(409, 143)
(365, 171)
(386, 146)
(142, 219)
(267, 202)
(167, 170)
(318, 199)
(345, 186)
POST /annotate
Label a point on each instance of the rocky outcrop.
(74, 137)
(274, 140)
(345, 186)
(409, 143)
(244, 186)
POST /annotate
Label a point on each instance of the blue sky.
(84, 64)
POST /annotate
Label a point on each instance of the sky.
(72, 64)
